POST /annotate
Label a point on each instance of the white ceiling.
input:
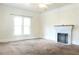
(34, 6)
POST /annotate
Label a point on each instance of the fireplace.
(63, 33)
(62, 37)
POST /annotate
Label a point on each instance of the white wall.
(67, 15)
(6, 22)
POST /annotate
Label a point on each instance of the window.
(22, 25)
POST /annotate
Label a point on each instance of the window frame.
(22, 26)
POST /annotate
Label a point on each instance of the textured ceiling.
(34, 6)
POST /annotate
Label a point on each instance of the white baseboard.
(18, 39)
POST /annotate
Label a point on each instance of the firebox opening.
(62, 37)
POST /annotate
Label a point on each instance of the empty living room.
(39, 28)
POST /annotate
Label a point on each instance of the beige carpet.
(37, 47)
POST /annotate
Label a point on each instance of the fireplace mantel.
(63, 25)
